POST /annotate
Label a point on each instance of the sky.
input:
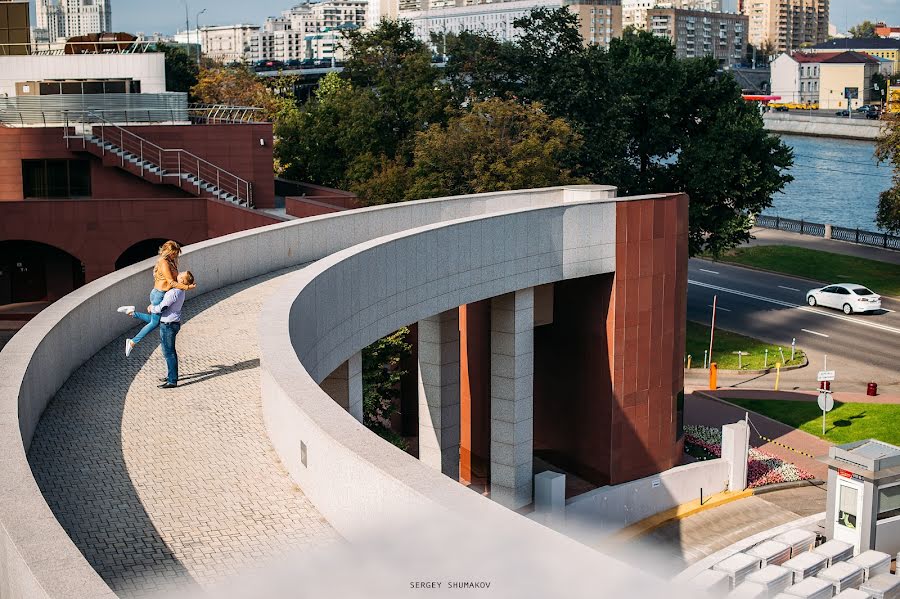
(167, 16)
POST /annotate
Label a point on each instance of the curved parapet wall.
(37, 558)
(329, 311)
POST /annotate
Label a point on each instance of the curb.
(679, 512)
(770, 370)
(815, 482)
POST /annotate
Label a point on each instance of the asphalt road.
(773, 308)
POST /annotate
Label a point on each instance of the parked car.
(873, 115)
(781, 108)
(866, 108)
(848, 297)
(842, 113)
(293, 64)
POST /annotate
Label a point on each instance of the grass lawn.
(726, 342)
(882, 277)
(845, 423)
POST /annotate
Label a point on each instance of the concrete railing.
(37, 558)
(326, 313)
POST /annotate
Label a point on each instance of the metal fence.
(861, 236)
(24, 111)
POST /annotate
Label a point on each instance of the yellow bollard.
(777, 374)
(689, 362)
(713, 375)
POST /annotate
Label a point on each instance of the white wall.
(149, 68)
(786, 79)
(601, 512)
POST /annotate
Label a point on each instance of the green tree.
(888, 150)
(495, 145)
(651, 122)
(181, 71)
(866, 29)
(382, 370)
(478, 65)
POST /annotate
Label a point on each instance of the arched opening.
(138, 252)
(33, 272)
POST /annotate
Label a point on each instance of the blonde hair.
(170, 250)
(188, 277)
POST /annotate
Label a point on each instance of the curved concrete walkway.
(164, 488)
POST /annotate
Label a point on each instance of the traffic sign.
(825, 375)
(826, 401)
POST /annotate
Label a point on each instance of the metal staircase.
(119, 147)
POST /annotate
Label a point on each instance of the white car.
(848, 297)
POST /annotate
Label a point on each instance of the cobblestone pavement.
(163, 488)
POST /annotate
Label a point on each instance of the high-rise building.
(786, 25)
(227, 43)
(599, 20)
(308, 31)
(69, 18)
(694, 33)
(634, 12)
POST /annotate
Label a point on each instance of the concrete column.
(344, 386)
(512, 403)
(550, 497)
(438, 382)
(735, 450)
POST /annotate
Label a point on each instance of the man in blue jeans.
(169, 310)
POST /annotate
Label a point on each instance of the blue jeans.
(152, 320)
(167, 333)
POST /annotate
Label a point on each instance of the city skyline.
(131, 16)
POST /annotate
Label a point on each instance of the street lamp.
(199, 39)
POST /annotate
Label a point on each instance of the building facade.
(888, 49)
(852, 70)
(634, 12)
(786, 25)
(885, 30)
(795, 77)
(15, 28)
(70, 18)
(308, 31)
(722, 36)
(599, 20)
(227, 43)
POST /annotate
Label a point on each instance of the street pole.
(712, 328)
(199, 43)
(187, 26)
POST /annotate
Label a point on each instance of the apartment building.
(308, 31)
(786, 25)
(634, 12)
(70, 18)
(886, 49)
(227, 43)
(599, 20)
(695, 33)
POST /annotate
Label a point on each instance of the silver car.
(848, 297)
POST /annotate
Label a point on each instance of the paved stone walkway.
(164, 488)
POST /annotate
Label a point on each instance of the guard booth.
(863, 505)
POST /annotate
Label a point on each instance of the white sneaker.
(129, 345)
(129, 310)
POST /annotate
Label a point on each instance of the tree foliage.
(382, 371)
(494, 145)
(239, 86)
(866, 29)
(181, 70)
(888, 150)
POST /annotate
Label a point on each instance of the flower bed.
(763, 468)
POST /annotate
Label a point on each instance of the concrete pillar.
(735, 450)
(827, 231)
(438, 349)
(550, 497)
(512, 403)
(344, 386)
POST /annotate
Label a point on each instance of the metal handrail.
(206, 172)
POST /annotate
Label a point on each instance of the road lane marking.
(712, 272)
(788, 288)
(719, 308)
(801, 307)
(814, 333)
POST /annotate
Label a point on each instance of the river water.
(836, 181)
